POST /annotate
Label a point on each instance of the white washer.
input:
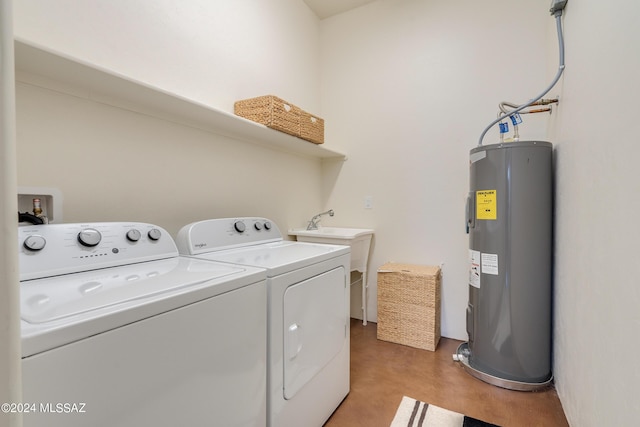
(119, 330)
(308, 312)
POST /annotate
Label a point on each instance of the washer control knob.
(257, 226)
(267, 225)
(133, 235)
(89, 237)
(154, 234)
(239, 226)
(34, 243)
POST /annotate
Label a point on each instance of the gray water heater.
(509, 221)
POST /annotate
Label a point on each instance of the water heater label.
(474, 268)
(490, 264)
(486, 204)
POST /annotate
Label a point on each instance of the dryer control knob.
(89, 237)
(257, 226)
(239, 226)
(267, 225)
(154, 234)
(35, 242)
(133, 235)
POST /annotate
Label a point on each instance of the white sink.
(331, 233)
(358, 238)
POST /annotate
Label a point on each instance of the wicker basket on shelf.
(270, 111)
(283, 116)
(311, 128)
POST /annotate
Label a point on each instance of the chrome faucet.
(313, 224)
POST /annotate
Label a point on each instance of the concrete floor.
(383, 372)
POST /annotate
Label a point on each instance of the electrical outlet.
(368, 202)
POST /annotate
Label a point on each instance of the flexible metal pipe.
(504, 104)
(558, 17)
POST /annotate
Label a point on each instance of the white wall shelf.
(41, 66)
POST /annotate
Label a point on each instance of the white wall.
(10, 369)
(114, 165)
(597, 292)
(215, 52)
(407, 88)
(111, 164)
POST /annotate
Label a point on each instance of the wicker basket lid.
(392, 267)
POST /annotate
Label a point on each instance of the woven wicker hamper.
(409, 305)
(272, 112)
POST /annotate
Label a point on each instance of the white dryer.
(308, 312)
(119, 330)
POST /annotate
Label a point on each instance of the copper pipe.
(539, 110)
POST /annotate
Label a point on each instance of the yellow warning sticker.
(486, 204)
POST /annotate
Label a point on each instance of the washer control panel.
(226, 233)
(259, 224)
(53, 249)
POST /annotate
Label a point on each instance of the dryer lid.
(279, 257)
